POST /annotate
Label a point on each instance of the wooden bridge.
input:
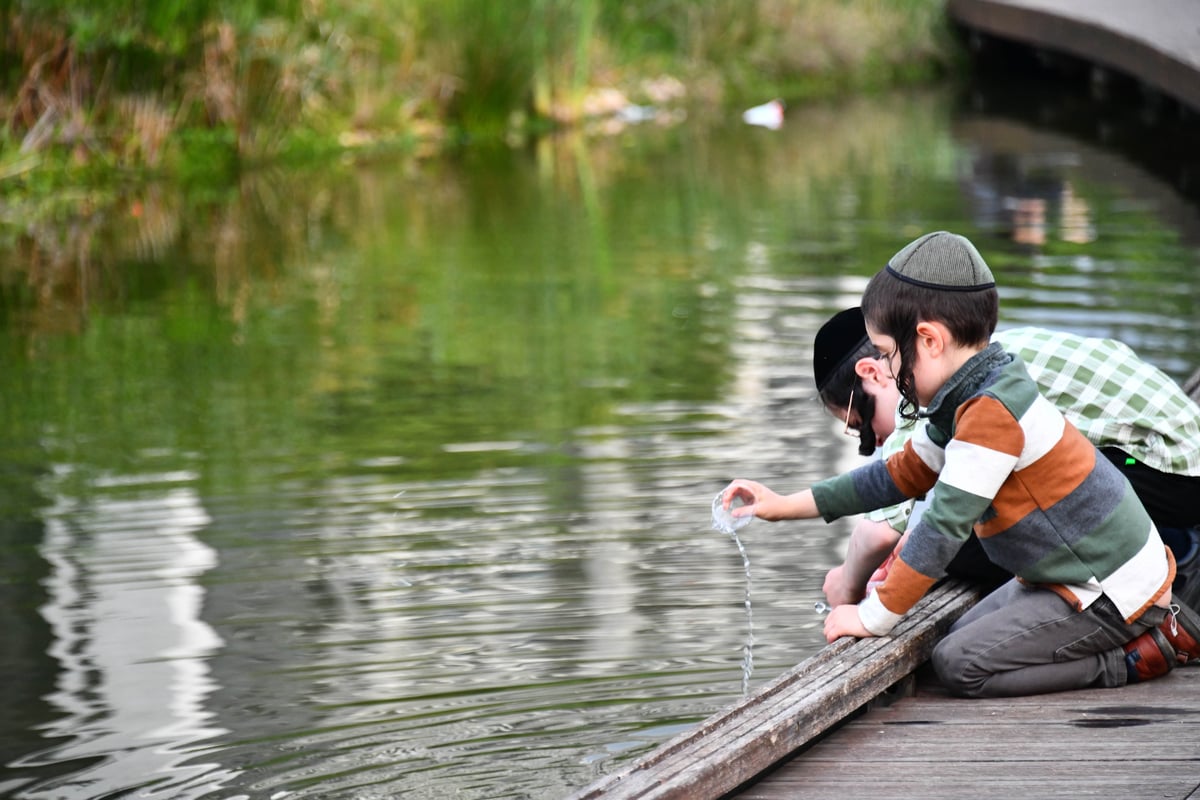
(1156, 42)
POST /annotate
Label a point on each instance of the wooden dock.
(1156, 42)
(1140, 741)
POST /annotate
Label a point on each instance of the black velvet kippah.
(837, 340)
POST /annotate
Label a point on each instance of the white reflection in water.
(124, 610)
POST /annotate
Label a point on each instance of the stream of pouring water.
(748, 648)
(726, 523)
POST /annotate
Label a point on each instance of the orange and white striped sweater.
(1044, 504)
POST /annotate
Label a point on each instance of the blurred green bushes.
(162, 84)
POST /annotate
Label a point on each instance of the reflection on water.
(124, 610)
(378, 483)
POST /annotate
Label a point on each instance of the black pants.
(1173, 502)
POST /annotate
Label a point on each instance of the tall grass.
(261, 76)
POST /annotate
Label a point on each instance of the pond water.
(378, 481)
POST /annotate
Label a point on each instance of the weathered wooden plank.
(1150, 701)
(949, 717)
(1153, 779)
(736, 744)
(1137, 741)
(1022, 745)
(1014, 762)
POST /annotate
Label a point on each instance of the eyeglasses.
(848, 431)
(864, 431)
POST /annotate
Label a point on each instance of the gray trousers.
(1022, 640)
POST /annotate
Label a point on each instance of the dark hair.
(842, 388)
(893, 307)
(864, 404)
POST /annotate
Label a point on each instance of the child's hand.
(766, 504)
(837, 588)
(844, 621)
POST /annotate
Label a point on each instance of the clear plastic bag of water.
(723, 520)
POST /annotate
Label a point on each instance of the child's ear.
(871, 370)
(932, 337)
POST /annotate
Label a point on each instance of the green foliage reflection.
(487, 311)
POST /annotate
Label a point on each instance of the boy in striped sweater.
(1091, 601)
(1137, 417)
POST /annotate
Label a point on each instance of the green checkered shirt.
(1113, 397)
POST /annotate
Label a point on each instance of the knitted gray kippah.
(942, 260)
